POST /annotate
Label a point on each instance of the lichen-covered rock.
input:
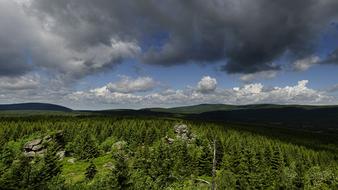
(29, 154)
(181, 129)
(41, 152)
(71, 160)
(182, 132)
(61, 154)
(29, 145)
(37, 147)
(120, 145)
(34, 148)
(47, 138)
(169, 140)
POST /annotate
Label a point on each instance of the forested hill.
(33, 106)
(323, 115)
(203, 108)
(286, 115)
(194, 109)
(295, 116)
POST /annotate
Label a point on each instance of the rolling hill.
(195, 109)
(203, 108)
(33, 106)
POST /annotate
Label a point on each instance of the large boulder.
(30, 145)
(169, 140)
(38, 147)
(181, 129)
(47, 138)
(120, 145)
(61, 154)
(71, 160)
(29, 154)
(182, 132)
(41, 153)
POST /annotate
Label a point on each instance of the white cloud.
(306, 63)
(259, 75)
(19, 83)
(207, 84)
(248, 94)
(298, 94)
(33, 87)
(129, 85)
(125, 93)
(105, 96)
(249, 89)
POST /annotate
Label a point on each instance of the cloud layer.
(249, 34)
(128, 85)
(48, 46)
(254, 93)
(79, 38)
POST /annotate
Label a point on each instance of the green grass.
(75, 172)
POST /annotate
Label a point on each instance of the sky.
(106, 54)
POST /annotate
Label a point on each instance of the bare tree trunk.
(214, 168)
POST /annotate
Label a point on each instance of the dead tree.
(213, 187)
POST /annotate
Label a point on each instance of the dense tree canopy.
(147, 153)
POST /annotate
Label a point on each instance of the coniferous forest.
(168, 94)
(106, 152)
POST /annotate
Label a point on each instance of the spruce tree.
(183, 160)
(205, 162)
(51, 166)
(18, 176)
(51, 161)
(7, 156)
(120, 175)
(85, 146)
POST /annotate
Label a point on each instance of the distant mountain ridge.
(203, 108)
(33, 106)
(199, 109)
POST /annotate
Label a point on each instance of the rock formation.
(38, 147)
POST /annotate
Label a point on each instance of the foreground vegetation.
(150, 153)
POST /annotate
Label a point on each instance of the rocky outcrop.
(61, 154)
(30, 154)
(33, 148)
(120, 145)
(182, 131)
(71, 160)
(30, 145)
(169, 140)
(38, 147)
(47, 138)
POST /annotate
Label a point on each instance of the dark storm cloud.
(13, 61)
(31, 40)
(13, 64)
(248, 35)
